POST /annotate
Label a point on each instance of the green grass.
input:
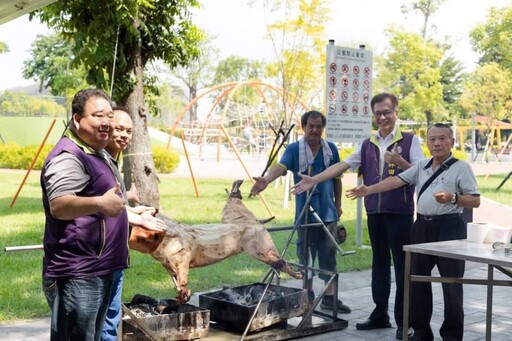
(25, 131)
(489, 184)
(20, 283)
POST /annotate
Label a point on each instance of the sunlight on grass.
(20, 283)
(488, 188)
(20, 287)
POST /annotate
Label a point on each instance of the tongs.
(506, 247)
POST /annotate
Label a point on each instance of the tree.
(411, 70)
(299, 47)
(446, 73)
(488, 91)
(452, 77)
(238, 69)
(138, 31)
(427, 9)
(198, 74)
(492, 38)
(171, 101)
(52, 65)
(21, 104)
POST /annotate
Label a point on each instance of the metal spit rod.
(23, 248)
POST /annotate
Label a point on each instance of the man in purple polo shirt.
(390, 215)
(86, 228)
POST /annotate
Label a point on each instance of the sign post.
(349, 88)
(348, 95)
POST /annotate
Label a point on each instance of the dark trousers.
(421, 293)
(319, 244)
(389, 232)
(78, 305)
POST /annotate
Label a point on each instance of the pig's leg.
(262, 248)
(179, 274)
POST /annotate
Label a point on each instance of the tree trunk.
(429, 116)
(139, 167)
(193, 109)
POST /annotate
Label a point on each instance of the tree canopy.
(52, 64)
(114, 40)
(492, 38)
(411, 69)
(198, 73)
(154, 29)
(299, 46)
(488, 91)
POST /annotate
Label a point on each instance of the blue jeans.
(114, 312)
(78, 306)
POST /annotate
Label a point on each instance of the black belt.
(439, 217)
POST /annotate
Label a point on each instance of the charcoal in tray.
(150, 305)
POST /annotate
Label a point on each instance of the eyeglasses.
(384, 113)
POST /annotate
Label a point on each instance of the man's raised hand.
(111, 203)
(358, 192)
(304, 185)
(393, 156)
(259, 186)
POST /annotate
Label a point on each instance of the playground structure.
(228, 120)
(490, 137)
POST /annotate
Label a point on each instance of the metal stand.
(307, 326)
(504, 180)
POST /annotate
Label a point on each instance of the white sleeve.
(354, 159)
(410, 175)
(416, 153)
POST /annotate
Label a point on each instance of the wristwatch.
(455, 196)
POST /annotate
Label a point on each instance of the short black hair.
(440, 125)
(382, 97)
(82, 96)
(120, 108)
(312, 114)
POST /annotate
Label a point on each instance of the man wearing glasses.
(386, 153)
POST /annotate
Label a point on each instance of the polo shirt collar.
(392, 134)
(85, 147)
(429, 163)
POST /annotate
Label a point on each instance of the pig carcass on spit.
(183, 247)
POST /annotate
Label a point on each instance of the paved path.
(355, 288)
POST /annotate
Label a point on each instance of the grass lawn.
(20, 283)
(489, 184)
(26, 131)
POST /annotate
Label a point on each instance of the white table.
(462, 250)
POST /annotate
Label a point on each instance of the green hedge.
(17, 157)
(165, 160)
(345, 152)
(456, 153)
(13, 156)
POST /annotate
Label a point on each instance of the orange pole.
(32, 163)
(245, 168)
(189, 165)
